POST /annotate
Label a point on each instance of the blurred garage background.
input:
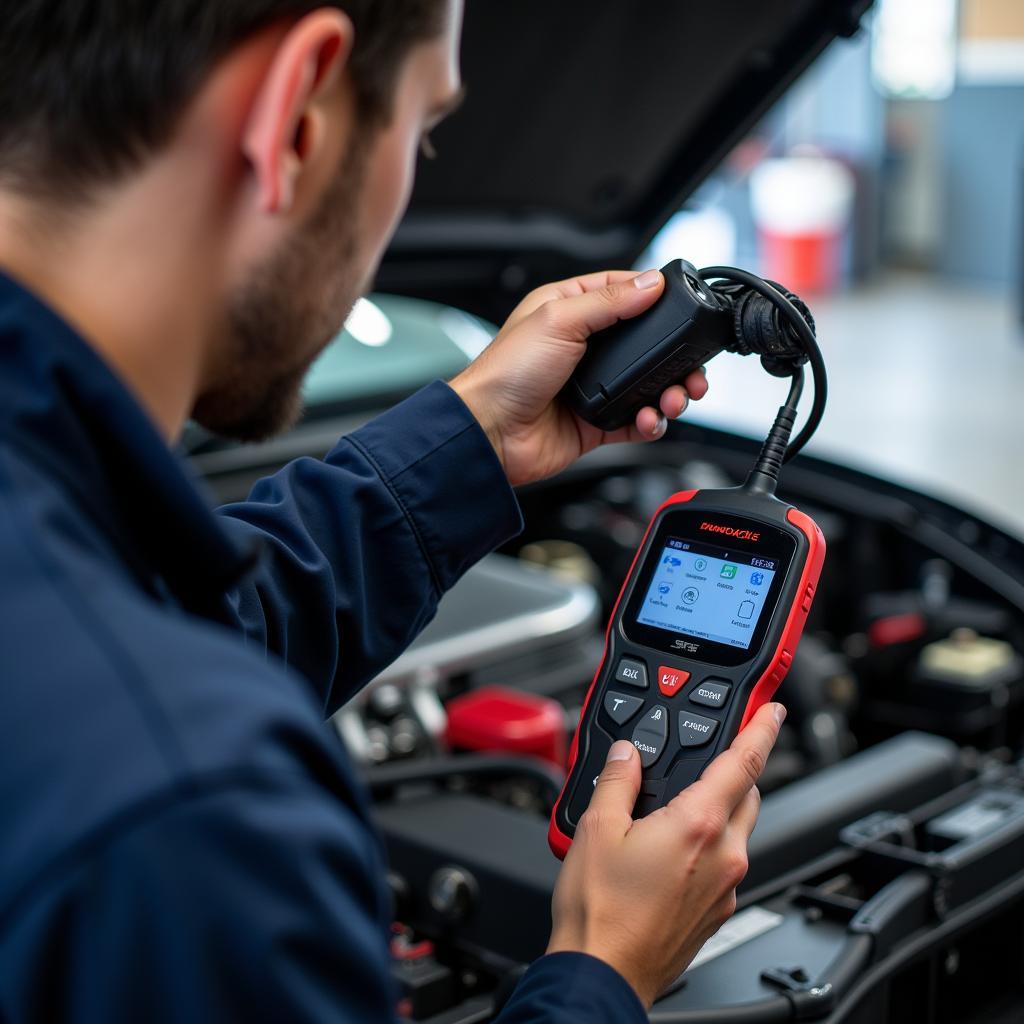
(920, 120)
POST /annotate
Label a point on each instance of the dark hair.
(89, 88)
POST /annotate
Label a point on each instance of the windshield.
(391, 346)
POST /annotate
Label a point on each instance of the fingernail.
(704, 370)
(780, 713)
(661, 426)
(648, 279)
(622, 750)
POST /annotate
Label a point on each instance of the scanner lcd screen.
(697, 593)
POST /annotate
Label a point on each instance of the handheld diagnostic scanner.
(710, 614)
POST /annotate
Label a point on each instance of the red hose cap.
(508, 721)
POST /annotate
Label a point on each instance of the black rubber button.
(695, 730)
(650, 735)
(632, 673)
(621, 707)
(710, 693)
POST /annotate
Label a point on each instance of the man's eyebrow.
(449, 105)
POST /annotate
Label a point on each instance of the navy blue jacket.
(181, 837)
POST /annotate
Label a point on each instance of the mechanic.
(192, 195)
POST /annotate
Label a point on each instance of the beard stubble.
(286, 313)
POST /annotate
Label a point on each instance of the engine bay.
(893, 785)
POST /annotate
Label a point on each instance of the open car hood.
(585, 126)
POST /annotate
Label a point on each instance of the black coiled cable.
(778, 326)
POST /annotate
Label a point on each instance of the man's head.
(296, 123)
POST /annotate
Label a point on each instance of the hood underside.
(585, 127)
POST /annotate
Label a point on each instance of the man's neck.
(131, 278)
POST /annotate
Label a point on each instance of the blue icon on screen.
(756, 579)
(671, 560)
(664, 588)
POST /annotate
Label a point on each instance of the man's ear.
(284, 127)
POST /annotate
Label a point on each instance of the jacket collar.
(63, 405)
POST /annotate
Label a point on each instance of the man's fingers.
(744, 818)
(576, 317)
(617, 786)
(570, 286)
(591, 282)
(673, 401)
(650, 425)
(696, 384)
(732, 774)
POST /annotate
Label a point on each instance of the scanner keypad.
(661, 721)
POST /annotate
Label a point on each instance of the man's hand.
(512, 387)
(645, 895)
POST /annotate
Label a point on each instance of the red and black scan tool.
(702, 634)
(704, 628)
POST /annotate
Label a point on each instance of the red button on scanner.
(671, 680)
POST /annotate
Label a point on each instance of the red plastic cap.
(508, 721)
(897, 629)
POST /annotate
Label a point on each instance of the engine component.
(564, 557)
(502, 849)
(508, 721)
(803, 820)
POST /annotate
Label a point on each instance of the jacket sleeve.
(258, 901)
(359, 547)
(572, 988)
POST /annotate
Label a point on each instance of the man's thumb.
(618, 785)
(579, 316)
